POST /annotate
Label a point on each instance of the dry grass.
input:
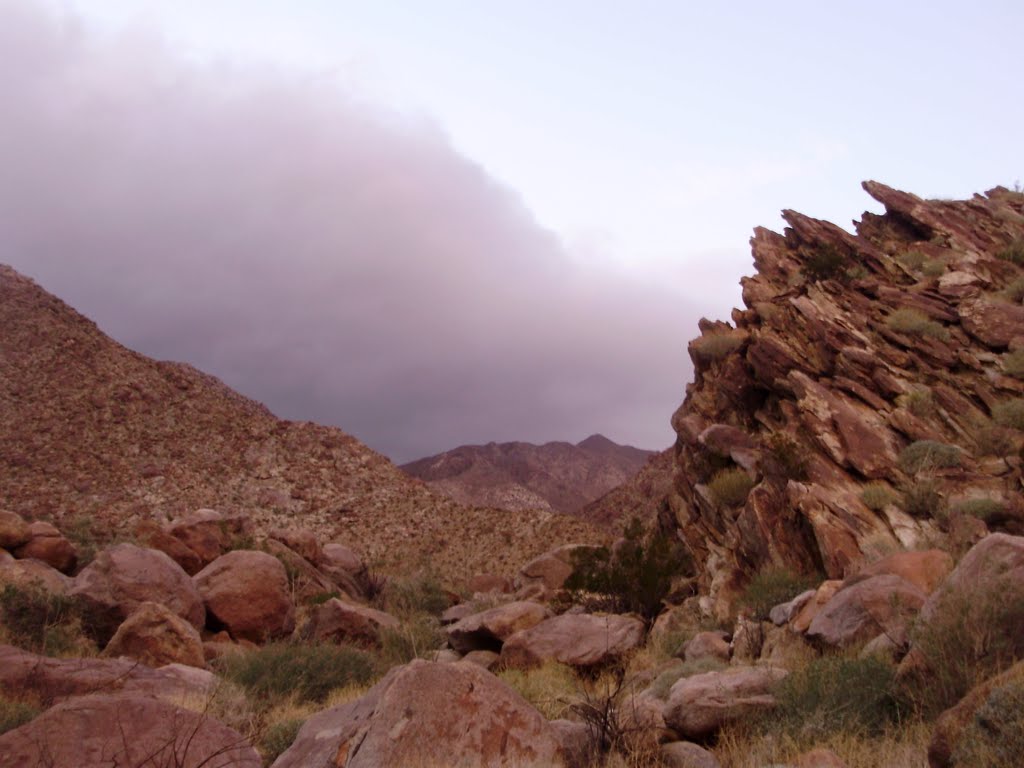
(916, 323)
(550, 688)
(730, 487)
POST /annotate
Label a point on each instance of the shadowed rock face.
(826, 388)
(93, 431)
(556, 476)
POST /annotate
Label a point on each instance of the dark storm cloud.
(338, 261)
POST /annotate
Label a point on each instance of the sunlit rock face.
(850, 348)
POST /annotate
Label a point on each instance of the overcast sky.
(450, 222)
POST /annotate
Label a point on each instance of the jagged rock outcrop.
(558, 476)
(851, 348)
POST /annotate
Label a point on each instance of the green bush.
(1014, 252)
(974, 633)
(39, 620)
(984, 509)
(995, 737)
(1013, 363)
(928, 454)
(278, 738)
(730, 486)
(877, 496)
(1010, 413)
(771, 586)
(834, 695)
(914, 322)
(634, 576)
(716, 345)
(309, 672)
(922, 499)
(15, 713)
(912, 260)
(826, 263)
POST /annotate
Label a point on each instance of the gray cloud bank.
(333, 259)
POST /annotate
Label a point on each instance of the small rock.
(579, 640)
(156, 636)
(700, 705)
(708, 645)
(488, 629)
(685, 754)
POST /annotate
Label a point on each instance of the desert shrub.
(785, 458)
(277, 738)
(716, 345)
(15, 713)
(912, 321)
(825, 263)
(39, 620)
(994, 440)
(730, 486)
(307, 672)
(771, 586)
(922, 499)
(985, 509)
(919, 402)
(1014, 252)
(934, 268)
(928, 454)
(835, 694)
(417, 637)
(1015, 291)
(634, 576)
(912, 259)
(877, 496)
(1009, 413)
(550, 687)
(974, 633)
(1013, 363)
(995, 737)
(421, 593)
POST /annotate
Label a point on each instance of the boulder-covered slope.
(890, 358)
(90, 430)
(556, 476)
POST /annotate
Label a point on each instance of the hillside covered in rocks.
(869, 398)
(96, 436)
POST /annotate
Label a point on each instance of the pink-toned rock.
(489, 629)
(204, 532)
(546, 574)
(124, 576)
(307, 581)
(247, 593)
(156, 636)
(48, 545)
(686, 754)
(994, 323)
(155, 537)
(346, 558)
(925, 569)
(116, 730)
(29, 573)
(14, 531)
(708, 645)
(784, 612)
(486, 659)
(426, 713)
(458, 612)
(857, 613)
(341, 622)
(700, 705)
(579, 640)
(802, 621)
(576, 743)
(991, 565)
(302, 541)
(489, 582)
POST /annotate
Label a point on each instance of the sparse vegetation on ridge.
(928, 454)
(916, 323)
(731, 486)
(1010, 413)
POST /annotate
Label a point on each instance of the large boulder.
(48, 544)
(878, 605)
(302, 541)
(700, 705)
(341, 622)
(429, 713)
(154, 536)
(247, 593)
(14, 531)
(124, 576)
(156, 636)
(116, 730)
(579, 640)
(204, 532)
(993, 565)
(488, 629)
(545, 575)
(34, 573)
(708, 645)
(307, 582)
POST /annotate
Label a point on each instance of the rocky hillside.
(556, 476)
(867, 399)
(91, 431)
(641, 496)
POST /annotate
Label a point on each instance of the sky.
(454, 222)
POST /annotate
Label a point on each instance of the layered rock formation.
(851, 348)
(555, 476)
(93, 435)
